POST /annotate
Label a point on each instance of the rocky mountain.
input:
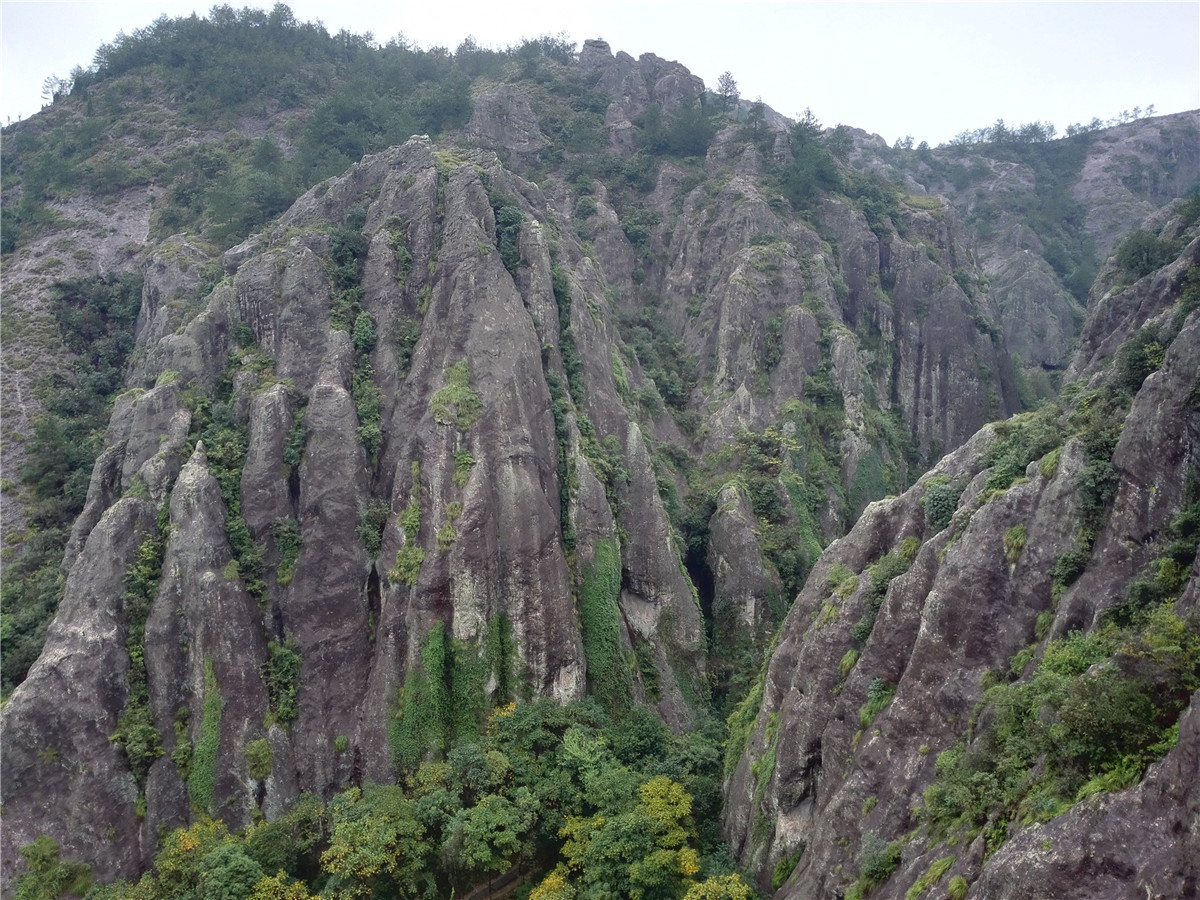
(327, 457)
(980, 642)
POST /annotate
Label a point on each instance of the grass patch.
(456, 404)
(609, 675)
(202, 779)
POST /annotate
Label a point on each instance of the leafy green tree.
(290, 844)
(642, 852)
(48, 875)
(755, 127)
(227, 873)
(259, 759)
(377, 847)
(727, 90)
(179, 865)
(1142, 252)
(812, 168)
(720, 887)
(279, 887)
(486, 838)
(555, 886)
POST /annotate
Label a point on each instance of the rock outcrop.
(565, 404)
(846, 774)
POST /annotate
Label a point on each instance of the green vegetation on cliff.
(569, 800)
(95, 318)
(789, 334)
(1098, 709)
(609, 669)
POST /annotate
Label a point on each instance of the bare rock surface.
(973, 597)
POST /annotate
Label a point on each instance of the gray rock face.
(325, 608)
(1039, 319)
(458, 470)
(468, 442)
(144, 444)
(1115, 179)
(746, 590)
(171, 297)
(1125, 180)
(1137, 843)
(1119, 313)
(501, 117)
(62, 776)
(966, 605)
(203, 635)
(636, 84)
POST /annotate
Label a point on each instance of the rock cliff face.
(453, 519)
(1044, 218)
(860, 730)
(482, 420)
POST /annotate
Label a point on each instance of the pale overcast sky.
(926, 69)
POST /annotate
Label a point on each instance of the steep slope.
(465, 453)
(571, 414)
(726, 313)
(1013, 609)
(1043, 214)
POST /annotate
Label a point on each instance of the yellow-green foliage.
(1048, 467)
(446, 536)
(611, 825)
(849, 660)
(1019, 441)
(456, 404)
(1014, 542)
(842, 581)
(1042, 626)
(741, 722)
(877, 861)
(282, 675)
(720, 887)
(928, 203)
(288, 542)
(410, 517)
(957, 888)
(259, 759)
(1091, 716)
(764, 767)
(440, 702)
(447, 161)
(408, 565)
(608, 669)
(500, 656)
(202, 778)
(377, 846)
(940, 500)
(619, 376)
(410, 557)
(48, 876)
(785, 867)
(623, 852)
(882, 573)
(136, 735)
(879, 695)
(463, 463)
(931, 877)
